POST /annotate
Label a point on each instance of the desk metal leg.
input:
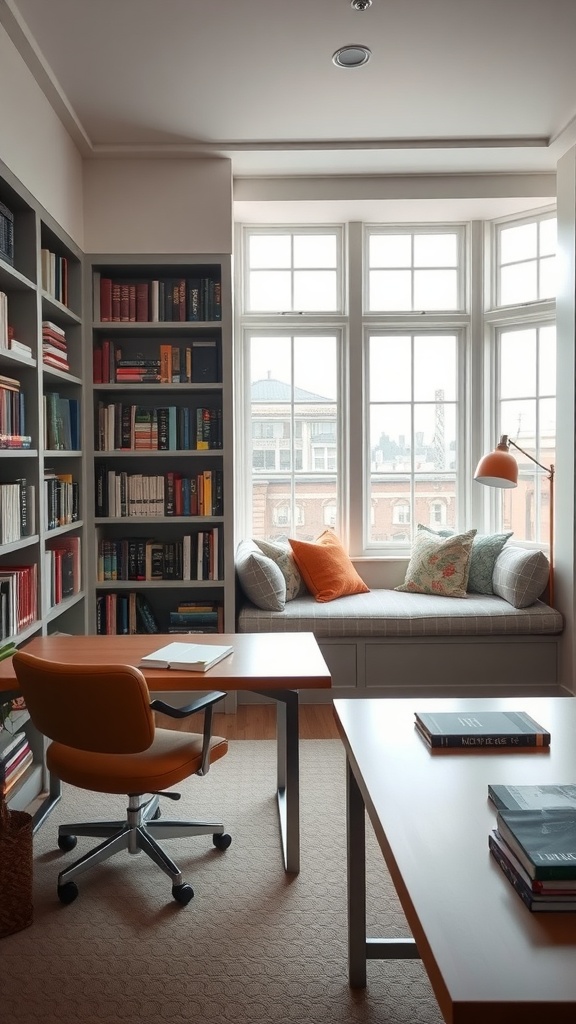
(356, 880)
(48, 803)
(361, 948)
(288, 774)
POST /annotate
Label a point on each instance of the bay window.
(389, 387)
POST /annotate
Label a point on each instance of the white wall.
(35, 145)
(158, 206)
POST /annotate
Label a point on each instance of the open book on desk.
(187, 657)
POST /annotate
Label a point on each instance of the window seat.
(396, 644)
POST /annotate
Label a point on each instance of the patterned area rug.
(254, 945)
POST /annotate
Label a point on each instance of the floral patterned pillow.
(439, 565)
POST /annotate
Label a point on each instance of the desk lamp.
(500, 469)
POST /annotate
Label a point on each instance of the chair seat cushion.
(172, 757)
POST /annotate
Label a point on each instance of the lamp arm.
(547, 469)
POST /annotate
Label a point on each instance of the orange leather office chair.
(101, 724)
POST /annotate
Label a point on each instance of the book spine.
(520, 888)
(490, 742)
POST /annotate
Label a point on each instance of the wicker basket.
(15, 870)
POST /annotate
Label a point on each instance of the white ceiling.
(453, 86)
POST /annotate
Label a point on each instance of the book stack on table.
(535, 843)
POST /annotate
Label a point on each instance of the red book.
(97, 366)
(58, 364)
(124, 302)
(105, 299)
(142, 302)
(106, 361)
(132, 303)
(50, 350)
(115, 300)
(54, 339)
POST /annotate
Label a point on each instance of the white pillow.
(260, 578)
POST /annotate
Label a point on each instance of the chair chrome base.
(139, 832)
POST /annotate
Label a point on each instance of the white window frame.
(247, 231)
(458, 229)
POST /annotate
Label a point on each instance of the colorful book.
(481, 729)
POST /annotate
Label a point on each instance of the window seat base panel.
(387, 643)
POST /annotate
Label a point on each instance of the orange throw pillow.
(326, 568)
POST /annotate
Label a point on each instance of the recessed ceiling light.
(353, 56)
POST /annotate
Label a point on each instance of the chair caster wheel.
(222, 840)
(67, 842)
(67, 893)
(182, 893)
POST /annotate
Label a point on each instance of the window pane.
(295, 452)
(390, 510)
(434, 368)
(517, 364)
(390, 368)
(390, 250)
(390, 289)
(518, 284)
(435, 250)
(434, 437)
(315, 370)
(518, 243)
(548, 284)
(435, 289)
(547, 360)
(315, 290)
(265, 251)
(548, 236)
(315, 250)
(269, 291)
(518, 420)
(390, 438)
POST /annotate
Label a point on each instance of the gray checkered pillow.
(520, 576)
(282, 555)
(260, 578)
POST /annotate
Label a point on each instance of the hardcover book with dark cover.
(544, 841)
(481, 729)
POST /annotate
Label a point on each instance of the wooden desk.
(487, 956)
(276, 665)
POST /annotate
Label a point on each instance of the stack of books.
(15, 758)
(535, 844)
(54, 346)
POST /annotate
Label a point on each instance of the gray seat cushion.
(389, 613)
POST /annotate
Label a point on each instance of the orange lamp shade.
(499, 468)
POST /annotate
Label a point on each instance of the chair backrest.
(101, 708)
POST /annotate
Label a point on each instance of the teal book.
(516, 798)
(544, 841)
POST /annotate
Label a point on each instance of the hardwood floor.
(258, 722)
